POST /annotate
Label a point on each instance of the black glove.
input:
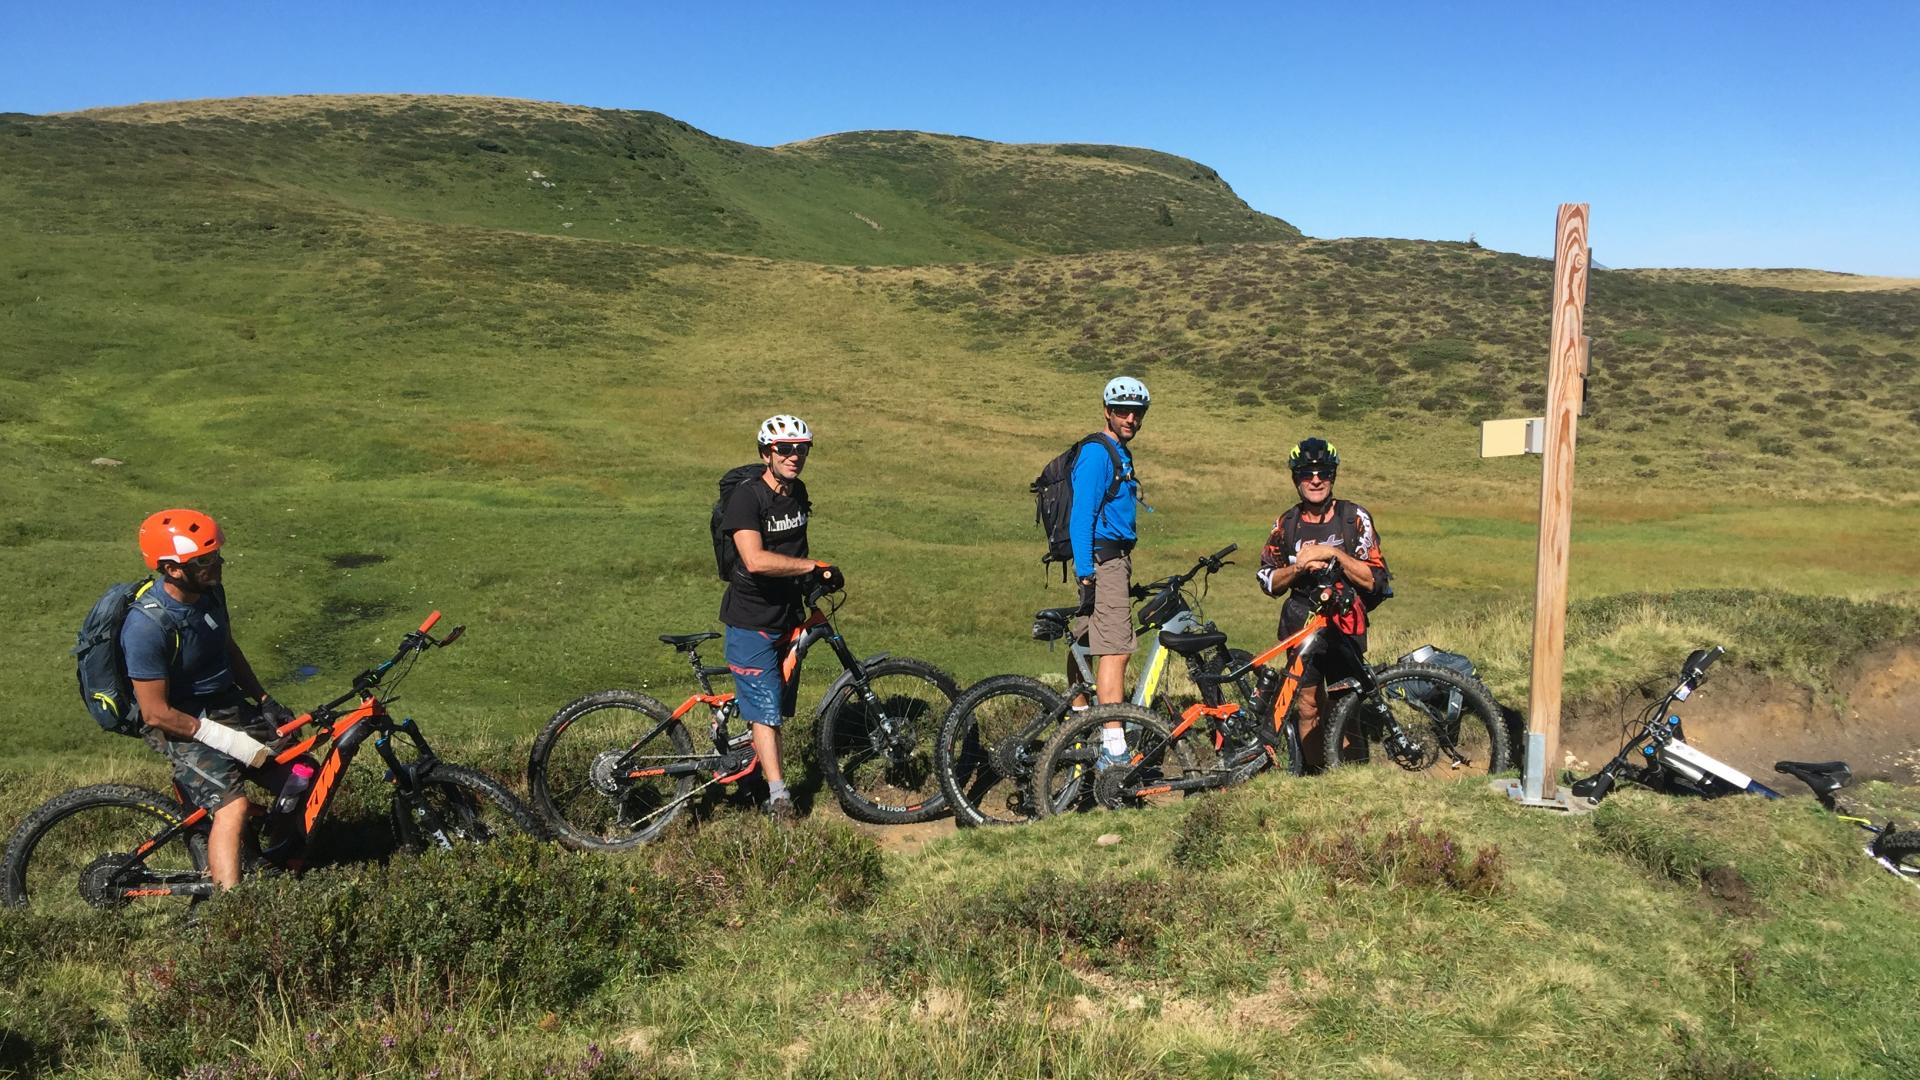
(827, 579)
(1086, 597)
(275, 713)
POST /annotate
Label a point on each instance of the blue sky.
(1748, 134)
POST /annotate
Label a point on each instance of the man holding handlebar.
(204, 708)
(766, 519)
(1316, 533)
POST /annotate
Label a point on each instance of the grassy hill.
(376, 351)
(869, 197)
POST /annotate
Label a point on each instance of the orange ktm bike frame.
(1320, 636)
(341, 735)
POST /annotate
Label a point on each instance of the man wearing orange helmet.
(205, 710)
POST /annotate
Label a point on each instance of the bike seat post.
(699, 671)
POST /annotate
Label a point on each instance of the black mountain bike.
(613, 768)
(118, 844)
(988, 741)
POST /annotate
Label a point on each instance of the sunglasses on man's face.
(792, 449)
(1301, 476)
(204, 562)
(1135, 411)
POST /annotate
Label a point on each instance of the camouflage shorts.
(205, 776)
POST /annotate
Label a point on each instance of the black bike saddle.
(683, 642)
(1056, 614)
(1187, 644)
(1824, 777)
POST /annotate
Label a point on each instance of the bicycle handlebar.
(413, 641)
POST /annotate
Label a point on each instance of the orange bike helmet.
(178, 535)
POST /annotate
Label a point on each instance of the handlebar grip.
(1225, 551)
(431, 619)
(1712, 654)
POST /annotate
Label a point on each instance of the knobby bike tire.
(1902, 849)
(589, 812)
(26, 878)
(1063, 776)
(893, 785)
(471, 806)
(1360, 724)
(975, 756)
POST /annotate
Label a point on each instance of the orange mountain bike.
(119, 843)
(613, 768)
(1420, 717)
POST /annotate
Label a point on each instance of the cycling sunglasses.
(1322, 474)
(204, 562)
(791, 449)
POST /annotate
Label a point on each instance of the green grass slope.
(403, 397)
(1349, 925)
(883, 197)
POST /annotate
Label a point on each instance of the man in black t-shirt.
(766, 519)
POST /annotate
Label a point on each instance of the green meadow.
(407, 374)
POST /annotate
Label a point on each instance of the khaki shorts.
(1109, 631)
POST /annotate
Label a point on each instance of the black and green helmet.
(1313, 453)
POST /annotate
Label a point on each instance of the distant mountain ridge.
(876, 197)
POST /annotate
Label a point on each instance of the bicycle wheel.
(1065, 779)
(579, 773)
(987, 744)
(1902, 849)
(877, 754)
(63, 858)
(1422, 718)
(458, 805)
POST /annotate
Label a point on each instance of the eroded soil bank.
(1871, 720)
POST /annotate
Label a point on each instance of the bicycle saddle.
(683, 642)
(1193, 643)
(1824, 777)
(1056, 614)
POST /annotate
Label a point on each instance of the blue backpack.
(100, 664)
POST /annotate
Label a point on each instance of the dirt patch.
(1751, 720)
(1728, 893)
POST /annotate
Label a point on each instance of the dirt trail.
(1749, 720)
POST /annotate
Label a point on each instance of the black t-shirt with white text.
(757, 601)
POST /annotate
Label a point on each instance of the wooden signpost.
(1553, 435)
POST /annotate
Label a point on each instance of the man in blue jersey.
(1102, 528)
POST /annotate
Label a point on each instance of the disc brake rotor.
(1408, 751)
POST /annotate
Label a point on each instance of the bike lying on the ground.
(118, 843)
(613, 768)
(1421, 717)
(987, 744)
(1656, 755)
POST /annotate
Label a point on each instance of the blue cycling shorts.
(755, 657)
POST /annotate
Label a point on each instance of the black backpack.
(1382, 590)
(725, 555)
(100, 664)
(1053, 498)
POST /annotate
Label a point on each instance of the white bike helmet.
(1127, 390)
(784, 428)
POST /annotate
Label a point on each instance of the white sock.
(1113, 740)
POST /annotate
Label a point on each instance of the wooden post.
(1565, 385)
